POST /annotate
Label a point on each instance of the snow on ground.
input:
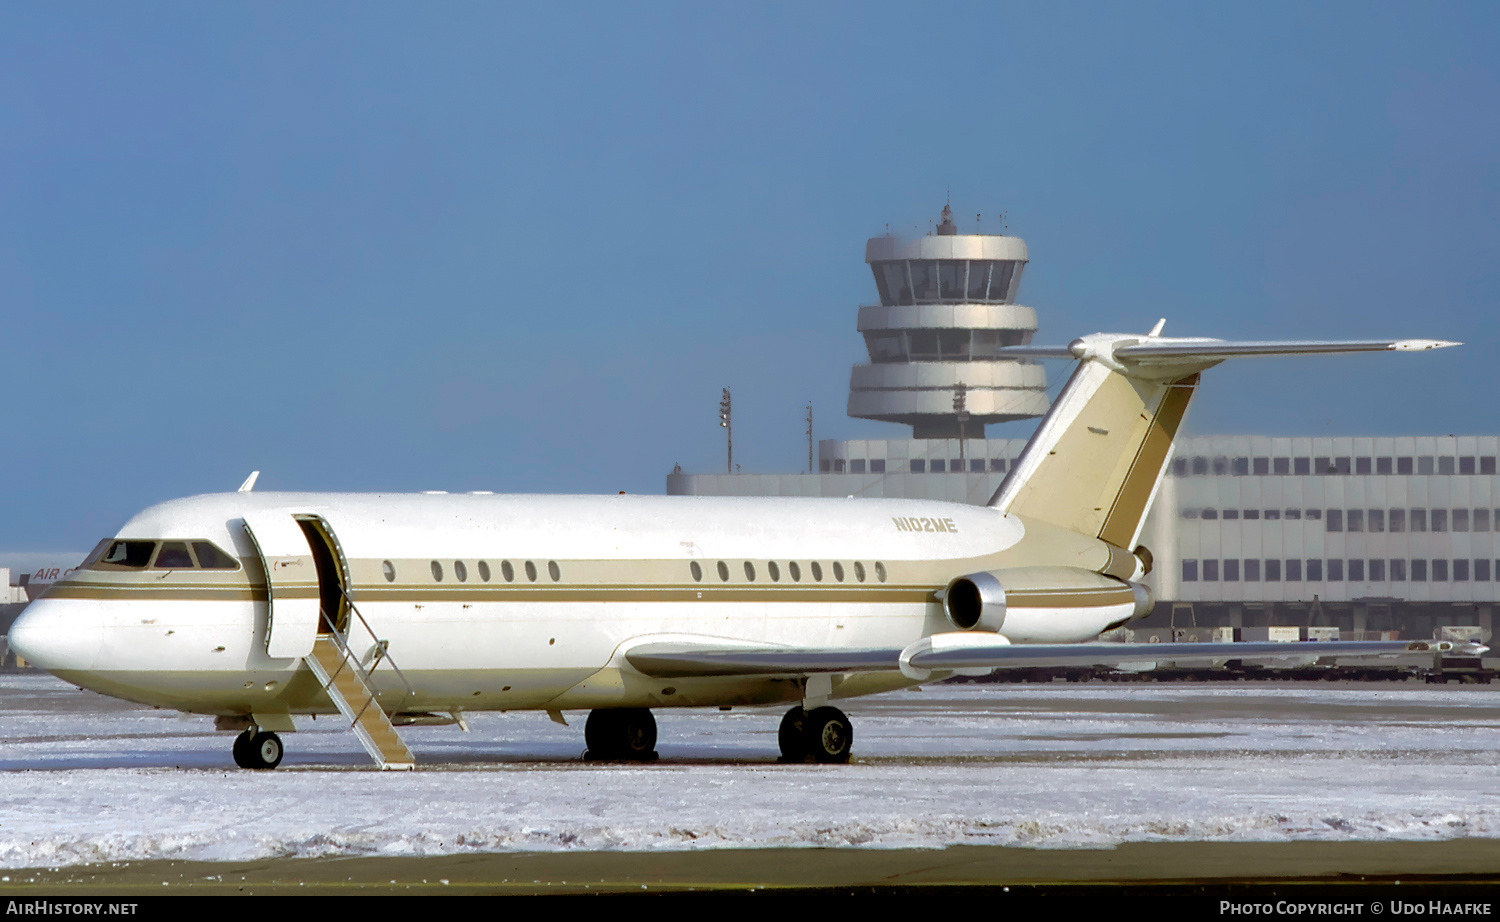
(84, 779)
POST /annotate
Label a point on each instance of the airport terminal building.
(1362, 534)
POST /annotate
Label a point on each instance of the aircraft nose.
(57, 635)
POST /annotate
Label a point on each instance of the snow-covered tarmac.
(84, 779)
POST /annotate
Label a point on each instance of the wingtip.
(1422, 345)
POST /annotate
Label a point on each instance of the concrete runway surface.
(951, 785)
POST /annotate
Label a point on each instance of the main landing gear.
(620, 735)
(821, 735)
(257, 749)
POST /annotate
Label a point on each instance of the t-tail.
(1099, 455)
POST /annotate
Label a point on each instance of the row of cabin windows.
(793, 571)
(918, 465)
(461, 571)
(1375, 521)
(159, 555)
(1373, 570)
(1301, 467)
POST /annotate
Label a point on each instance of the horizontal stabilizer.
(1127, 351)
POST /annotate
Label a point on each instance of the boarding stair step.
(357, 701)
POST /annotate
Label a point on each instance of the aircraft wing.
(681, 660)
(975, 652)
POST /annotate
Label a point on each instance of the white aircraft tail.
(1098, 457)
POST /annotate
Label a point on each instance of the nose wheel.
(254, 749)
(821, 735)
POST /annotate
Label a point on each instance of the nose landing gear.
(257, 749)
(821, 735)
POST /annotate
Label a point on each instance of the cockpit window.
(174, 556)
(211, 558)
(132, 555)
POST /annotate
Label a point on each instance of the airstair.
(347, 681)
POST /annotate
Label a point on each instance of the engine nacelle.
(1044, 604)
(975, 603)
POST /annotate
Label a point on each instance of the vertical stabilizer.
(1099, 455)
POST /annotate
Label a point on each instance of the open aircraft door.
(291, 582)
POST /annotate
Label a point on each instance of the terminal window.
(1356, 571)
(1377, 570)
(1302, 466)
(1281, 465)
(1403, 466)
(1383, 466)
(1190, 571)
(877, 465)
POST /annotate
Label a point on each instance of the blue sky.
(522, 247)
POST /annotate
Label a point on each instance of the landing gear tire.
(820, 735)
(793, 736)
(828, 735)
(257, 750)
(620, 735)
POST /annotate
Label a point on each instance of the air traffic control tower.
(947, 302)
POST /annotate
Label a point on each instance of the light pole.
(961, 408)
(809, 438)
(725, 408)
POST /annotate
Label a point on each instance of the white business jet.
(400, 609)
